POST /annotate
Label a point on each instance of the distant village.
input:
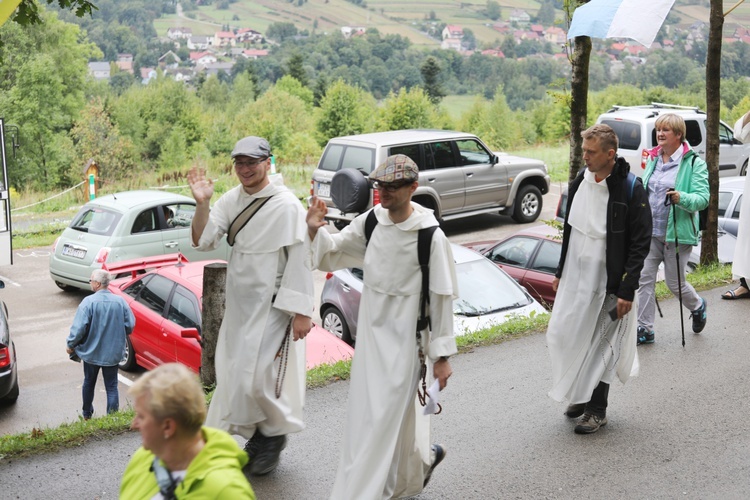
(213, 54)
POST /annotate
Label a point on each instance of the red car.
(530, 256)
(165, 295)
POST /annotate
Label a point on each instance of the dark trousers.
(598, 403)
(90, 373)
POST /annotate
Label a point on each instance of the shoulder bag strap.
(424, 242)
(244, 217)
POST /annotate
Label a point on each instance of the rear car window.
(410, 150)
(725, 198)
(96, 220)
(628, 133)
(338, 156)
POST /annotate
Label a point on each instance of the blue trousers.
(90, 374)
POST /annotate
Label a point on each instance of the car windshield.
(485, 289)
(96, 220)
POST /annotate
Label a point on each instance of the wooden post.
(214, 293)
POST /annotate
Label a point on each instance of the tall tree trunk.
(214, 299)
(709, 245)
(579, 91)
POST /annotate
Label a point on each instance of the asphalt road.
(679, 430)
(41, 314)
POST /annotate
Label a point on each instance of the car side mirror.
(191, 333)
(494, 160)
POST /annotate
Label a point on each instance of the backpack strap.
(424, 242)
(631, 180)
(239, 222)
(370, 222)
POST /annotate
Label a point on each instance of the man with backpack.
(676, 181)
(591, 333)
(386, 451)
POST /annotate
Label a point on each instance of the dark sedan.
(530, 257)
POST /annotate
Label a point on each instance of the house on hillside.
(215, 68)
(125, 63)
(179, 33)
(520, 17)
(254, 53)
(180, 74)
(198, 42)
(99, 70)
(350, 31)
(453, 31)
(202, 58)
(555, 35)
(147, 74)
(502, 27)
(247, 35)
(224, 39)
(451, 44)
(493, 53)
(169, 60)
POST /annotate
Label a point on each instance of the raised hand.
(316, 216)
(201, 186)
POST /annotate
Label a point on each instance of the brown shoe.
(588, 424)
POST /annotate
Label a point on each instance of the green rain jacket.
(692, 183)
(215, 473)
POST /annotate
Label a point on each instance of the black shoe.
(439, 456)
(254, 445)
(699, 317)
(266, 456)
(645, 336)
(575, 411)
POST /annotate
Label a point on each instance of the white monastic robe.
(741, 264)
(268, 281)
(585, 345)
(386, 449)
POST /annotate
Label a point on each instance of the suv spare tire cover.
(350, 191)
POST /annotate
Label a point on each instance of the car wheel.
(528, 205)
(743, 170)
(333, 321)
(128, 361)
(428, 203)
(64, 287)
(12, 396)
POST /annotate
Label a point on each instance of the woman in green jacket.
(676, 180)
(180, 458)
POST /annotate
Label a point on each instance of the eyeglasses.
(248, 164)
(391, 187)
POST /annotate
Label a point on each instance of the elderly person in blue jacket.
(98, 338)
(676, 180)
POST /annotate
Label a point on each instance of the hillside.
(409, 19)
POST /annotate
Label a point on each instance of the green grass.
(556, 158)
(77, 433)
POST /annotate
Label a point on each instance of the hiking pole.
(658, 307)
(668, 202)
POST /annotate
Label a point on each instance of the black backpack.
(424, 242)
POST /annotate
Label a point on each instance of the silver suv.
(458, 175)
(634, 126)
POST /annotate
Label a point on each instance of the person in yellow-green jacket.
(180, 458)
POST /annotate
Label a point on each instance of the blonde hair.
(604, 134)
(174, 392)
(673, 122)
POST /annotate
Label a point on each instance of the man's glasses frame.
(249, 164)
(391, 187)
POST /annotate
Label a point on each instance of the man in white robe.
(386, 451)
(607, 233)
(269, 303)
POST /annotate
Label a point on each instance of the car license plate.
(73, 251)
(324, 189)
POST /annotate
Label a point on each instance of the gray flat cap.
(254, 147)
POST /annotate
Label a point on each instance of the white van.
(634, 126)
